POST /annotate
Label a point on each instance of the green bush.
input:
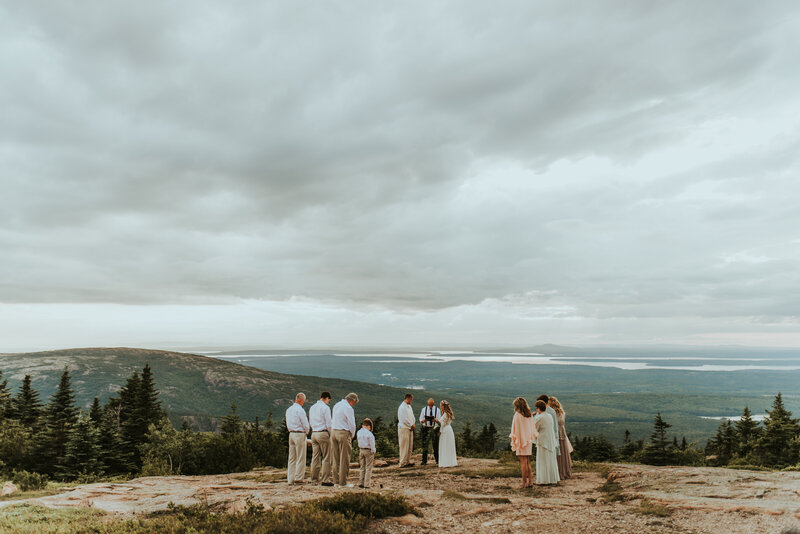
(27, 481)
(370, 505)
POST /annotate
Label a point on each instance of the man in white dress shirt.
(321, 426)
(405, 430)
(297, 424)
(429, 420)
(344, 430)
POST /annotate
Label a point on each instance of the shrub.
(27, 481)
(647, 507)
(370, 505)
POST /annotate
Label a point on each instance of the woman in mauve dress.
(546, 464)
(523, 434)
(565, 458)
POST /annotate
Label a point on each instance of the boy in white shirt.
(366, 456)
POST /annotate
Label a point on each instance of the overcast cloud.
(190, 173)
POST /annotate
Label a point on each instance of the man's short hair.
(409, 396)
(352, 397)
(541, 405)
(367, 421)
(299, 397)
(325, 395)
(544, 398)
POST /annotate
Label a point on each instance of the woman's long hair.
(445, 406)
(521, 406)
(554, 404)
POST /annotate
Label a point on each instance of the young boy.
(366, 456)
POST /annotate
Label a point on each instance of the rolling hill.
(202, 389)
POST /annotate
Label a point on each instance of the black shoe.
(424, 463)
(411, 464)
(361, 486)
(327, 484)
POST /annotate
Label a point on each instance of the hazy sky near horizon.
(275, 174)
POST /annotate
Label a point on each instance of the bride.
(447, 440)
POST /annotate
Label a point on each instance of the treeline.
(128, 434)
(746, 442)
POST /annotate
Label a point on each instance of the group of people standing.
(333, 432)
(546, 429)
(436, 429)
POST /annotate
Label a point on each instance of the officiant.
(429, 419)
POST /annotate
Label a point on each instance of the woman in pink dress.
(523, 433)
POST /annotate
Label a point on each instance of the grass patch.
(612, 491)
(369, 505)
(582, 466)
(456, 496)
(501, 471)
(648, 507)
(343, 514)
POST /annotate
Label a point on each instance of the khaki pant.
(342, 445)
(296, 469)
(321, 456)
(366, 458)
(406, 438)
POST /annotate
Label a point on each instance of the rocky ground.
(481, 495)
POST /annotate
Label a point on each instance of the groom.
(429, 419)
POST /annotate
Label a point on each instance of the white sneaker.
(351, 485)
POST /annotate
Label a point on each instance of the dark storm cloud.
(414, 157)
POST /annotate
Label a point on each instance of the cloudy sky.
(190, 174)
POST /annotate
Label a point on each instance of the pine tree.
(115, 456)
(83, 452)
(724, 443)
(95, 413)
(27, 406)
(139, 408)
(748, 431)
(149, 405)
(60, 415)
(231, 423)
(779, 445)
(491, 436)
(467, 439)
(6, 407)
(658, 452)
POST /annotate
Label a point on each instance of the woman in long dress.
(523, 434)
(447, 440)
(546, 463)
(565, 458)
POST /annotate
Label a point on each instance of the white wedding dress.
(447, 444)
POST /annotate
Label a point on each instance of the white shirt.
(429, 410)
(296, 420)
(405, 416)
(366, 439)
(344, 418)
(320, 417)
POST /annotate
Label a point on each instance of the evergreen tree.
(95, 413)
(185, 425)
(6, 408)
(779, 445)
(115, 456)
(83, 452)
(27, 406)
(149, 405)
(491, 438)
(724, 444)
(748, 431)
(467, 439)
(269, 424)
(139, 408)
(658, 452)
(629, 448)
(231, 423)
(60, 415)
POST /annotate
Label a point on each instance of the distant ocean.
(687, 362)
